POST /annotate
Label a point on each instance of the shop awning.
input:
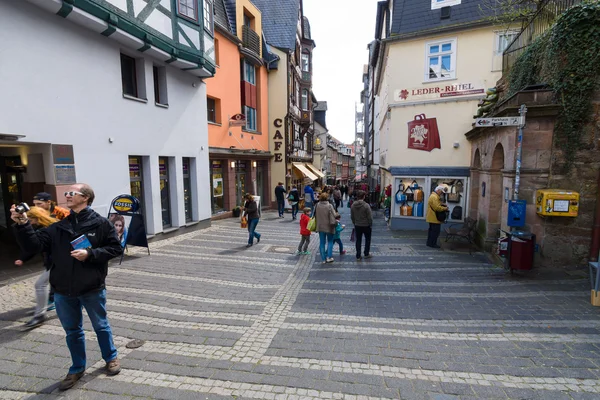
(315, 170)
(305, 171)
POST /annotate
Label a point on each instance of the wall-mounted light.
(233, 164)
(254, 164)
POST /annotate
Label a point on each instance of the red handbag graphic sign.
(423, 134)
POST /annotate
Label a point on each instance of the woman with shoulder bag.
(253, 213)
(435, 210)
(326, 223)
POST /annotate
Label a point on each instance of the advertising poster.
(217, 185)
(121, 224)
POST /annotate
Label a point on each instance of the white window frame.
(441, 53)
(305, 57)
(304, 99)
(435, 4)
(499, 35)
(208, 15)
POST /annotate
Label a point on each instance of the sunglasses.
(72, 194)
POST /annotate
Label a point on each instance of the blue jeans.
(251, 230)
(339, 241)
(324, 236)
(294, 211)
(71, 318)
(281, 206)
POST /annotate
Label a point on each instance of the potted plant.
(236, 212)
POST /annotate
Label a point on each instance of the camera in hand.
(22, 208)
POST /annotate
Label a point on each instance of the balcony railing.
(250, 40)
(540, 22)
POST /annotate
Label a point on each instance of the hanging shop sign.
(437, 92)
(237, 120)
(423, 133)
(278, 140)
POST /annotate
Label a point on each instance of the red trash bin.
(521, 250)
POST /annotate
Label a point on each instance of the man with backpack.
(293, 199)
(280, 196)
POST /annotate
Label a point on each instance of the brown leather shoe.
(70, 381)
(113, 367)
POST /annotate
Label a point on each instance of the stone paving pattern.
(221, 321)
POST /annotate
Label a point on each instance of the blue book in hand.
(81, 243)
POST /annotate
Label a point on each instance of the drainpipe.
(595, 247)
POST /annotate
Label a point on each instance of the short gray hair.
(88, 192)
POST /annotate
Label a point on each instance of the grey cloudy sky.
(341, 30)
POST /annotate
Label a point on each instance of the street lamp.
(363, 161)
(297, 143)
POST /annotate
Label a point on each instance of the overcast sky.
(341, 30)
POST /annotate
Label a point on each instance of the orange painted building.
(237, 107)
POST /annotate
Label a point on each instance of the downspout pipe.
(595, 247)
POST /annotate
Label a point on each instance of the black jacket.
(280, 192)
(68, 276)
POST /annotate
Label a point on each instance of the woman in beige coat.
(325, 217)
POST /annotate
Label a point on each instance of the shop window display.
(409, 197)
(454, 196)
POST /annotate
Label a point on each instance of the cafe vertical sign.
(64, 164)
(278, 140)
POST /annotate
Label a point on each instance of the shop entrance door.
(11, 180)
(259, 182)
(165, 196)
(240, 182)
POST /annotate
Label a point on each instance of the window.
(217, 51)
(250, 118)
(249, 73)
(441, 60)
(304, 99)
(248, 20)
(213, 110)
(128, 76)
(305, 62)
(133, 77)
(443, 3)
(187, 8)
(504, 39)
(160, 85)
(208, 15)
(187, 189)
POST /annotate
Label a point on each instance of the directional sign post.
(492, 122)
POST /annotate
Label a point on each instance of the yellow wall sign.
(557, 203)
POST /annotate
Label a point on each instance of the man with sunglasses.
(78, 274)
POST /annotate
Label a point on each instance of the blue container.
(418, 209)
(516, 213)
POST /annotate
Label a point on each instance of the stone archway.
(495, 192)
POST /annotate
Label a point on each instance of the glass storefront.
(165, 198)
(187, 189)
(410, 196)
(240, 182)
(136, 182)
(218, 186)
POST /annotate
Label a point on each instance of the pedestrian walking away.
(293, 199)
(280, 196)
(325, 217)
(304, 233)
(39, 218)
(309, 198)
(337, 198)
(362, 218)
(80, 247)
(337, 236)
(434, 205)
(253, 213)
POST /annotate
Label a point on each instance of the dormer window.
(435, 4)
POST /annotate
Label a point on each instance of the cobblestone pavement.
(221, 321)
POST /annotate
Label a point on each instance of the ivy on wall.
(567, 58)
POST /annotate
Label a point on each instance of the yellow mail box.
(557, 203)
